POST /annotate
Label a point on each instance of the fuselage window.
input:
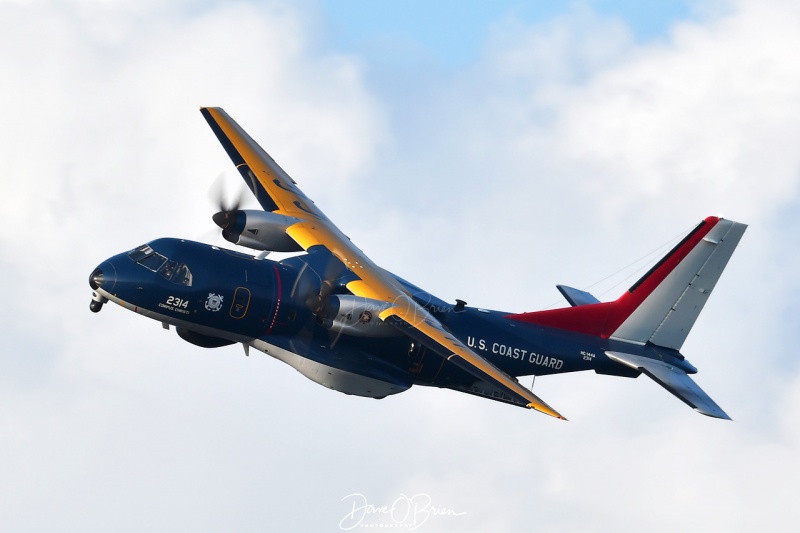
(241, 301)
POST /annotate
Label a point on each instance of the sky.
(484, 153)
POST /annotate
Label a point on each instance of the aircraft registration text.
(179, 305)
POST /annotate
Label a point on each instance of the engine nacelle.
(260, 230)
(354, 315)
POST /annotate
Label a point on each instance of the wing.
(278, 193)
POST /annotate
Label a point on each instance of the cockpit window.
(140, 253)
(170, 270)
(147, 257)
(153, 262)
(176, 273)
(182, 276)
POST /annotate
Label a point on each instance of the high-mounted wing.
(277, 192)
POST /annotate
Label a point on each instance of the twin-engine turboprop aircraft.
(348, 324)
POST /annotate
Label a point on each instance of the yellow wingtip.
(545, 409)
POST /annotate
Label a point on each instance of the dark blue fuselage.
(216, 296)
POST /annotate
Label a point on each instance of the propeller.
(331, 272)
(227, 216)
(326, 267)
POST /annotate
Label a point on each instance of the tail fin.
(664, 304)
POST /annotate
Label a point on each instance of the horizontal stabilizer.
(576, 296)
(674, 380)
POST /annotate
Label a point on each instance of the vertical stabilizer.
(664, 304)
(671, 307)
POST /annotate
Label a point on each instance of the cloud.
(558, 158)
(566, 151)
(103, 148)
(716, 126)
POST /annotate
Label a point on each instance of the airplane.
(349, 325)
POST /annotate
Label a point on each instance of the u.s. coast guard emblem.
(214, 302)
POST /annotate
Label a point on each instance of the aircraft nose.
(103, 276)
(96, 278)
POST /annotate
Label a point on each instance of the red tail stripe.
(604, 318)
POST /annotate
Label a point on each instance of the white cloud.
(710, 115)
(568, 158)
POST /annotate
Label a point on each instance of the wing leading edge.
(277, 192)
